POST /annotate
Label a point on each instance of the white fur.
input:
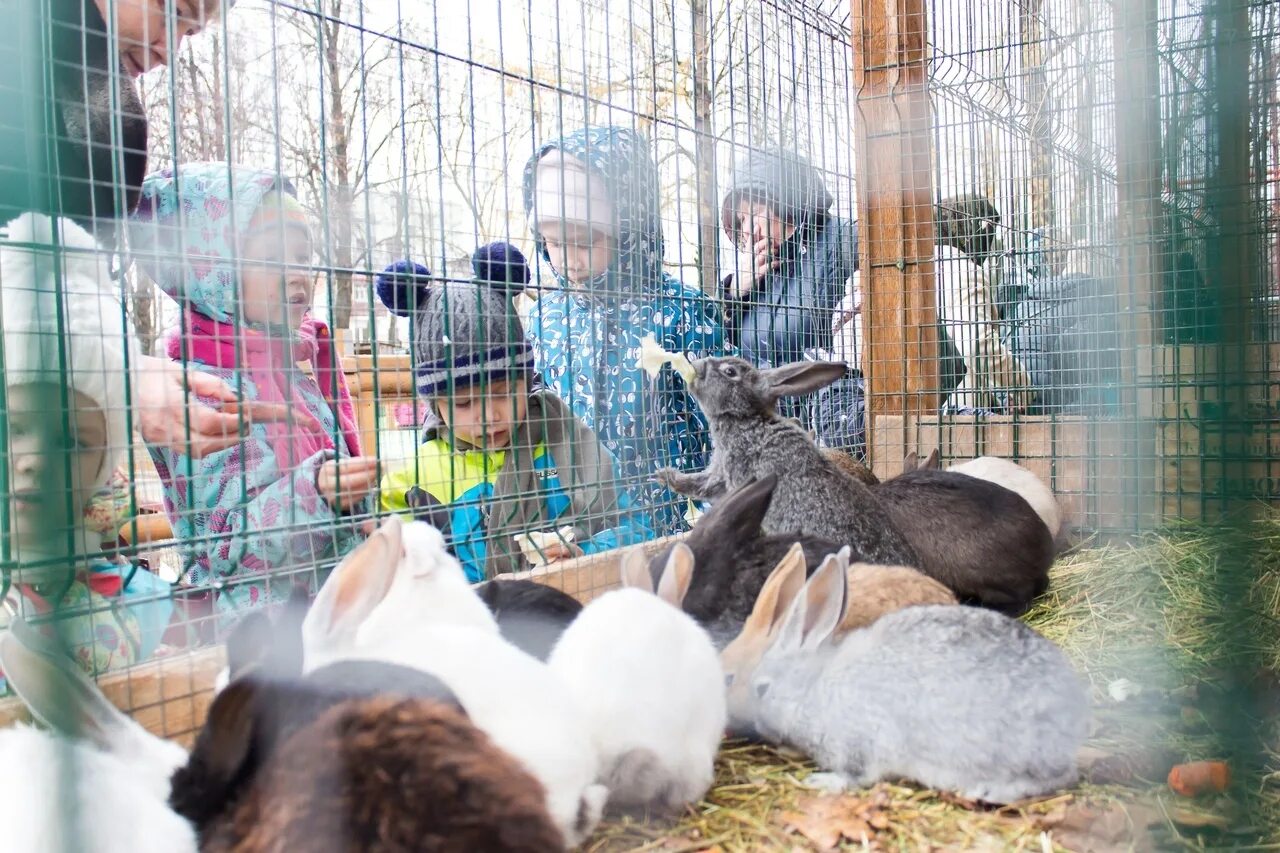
(515, 699)
(431, 619)
(1016, 479)
(430, 588)
(56, 794)
(650, 682)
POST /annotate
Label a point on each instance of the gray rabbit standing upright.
(750, 440)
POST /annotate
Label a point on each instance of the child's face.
(276, 284)
(143, 33)
(37, 464)
(486, 418)
(577, 251)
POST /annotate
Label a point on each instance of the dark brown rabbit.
(386, 774)
(732, 558)
(980, 540)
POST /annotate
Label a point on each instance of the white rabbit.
(1016, 479)
(102, 767)
(510, 695)
(401, 575)
(61, 794)
(651, 684)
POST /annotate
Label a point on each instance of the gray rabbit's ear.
(677, 576)
(931, 462)
(910, 462)
(802, 377)
(635, 569)
(816, 613)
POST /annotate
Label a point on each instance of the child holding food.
(502, 459)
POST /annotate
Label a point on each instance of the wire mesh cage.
(276, 271)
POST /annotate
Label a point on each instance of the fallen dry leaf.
(1099, 829)
(826, 821)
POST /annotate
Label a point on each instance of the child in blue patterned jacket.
(501, 457)
(592, 201)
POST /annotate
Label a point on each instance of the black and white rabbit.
(750, 440)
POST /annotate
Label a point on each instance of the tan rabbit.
(876, 591)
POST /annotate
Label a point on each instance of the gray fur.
(955, 698)
(750, 440)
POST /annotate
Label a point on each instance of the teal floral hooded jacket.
(587, 338)
(239, 513)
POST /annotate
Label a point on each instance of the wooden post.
(895, 207)
(1141, 227)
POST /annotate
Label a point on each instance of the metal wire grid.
(407, 130)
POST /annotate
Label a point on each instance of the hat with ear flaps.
(464, 331)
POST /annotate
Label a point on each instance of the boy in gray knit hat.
(500, 457)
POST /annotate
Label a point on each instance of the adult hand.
(355, 476)
(766, 262)
(170, 416)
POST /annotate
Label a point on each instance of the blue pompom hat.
(465, 332)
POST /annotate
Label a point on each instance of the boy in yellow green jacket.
(500, 457)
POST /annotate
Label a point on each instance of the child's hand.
(356, 475)
(555, 551)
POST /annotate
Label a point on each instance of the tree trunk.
(1036, 95)
(708, 253)
(340, 210)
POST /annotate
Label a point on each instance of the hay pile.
(1178, 635)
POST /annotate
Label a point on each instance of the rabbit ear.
(358, 584)
(221, 749)
(739, 515)
(781, 588)
(676, 576)
(59, 695)
(802, 377)
(815, 614)
(635, 569)
(910, 462)
(931, 461)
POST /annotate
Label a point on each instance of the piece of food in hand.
(257, 411)
(535, 543)
(653, 356)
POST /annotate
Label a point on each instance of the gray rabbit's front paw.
(674, 479)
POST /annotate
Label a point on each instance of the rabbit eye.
(729, 370)
(728, 679)
(761, 689)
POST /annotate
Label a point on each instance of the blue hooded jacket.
(587, 338)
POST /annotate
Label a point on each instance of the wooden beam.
(895, 205)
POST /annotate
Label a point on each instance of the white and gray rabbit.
(649, 680)
(750, 441)
(402, 599)
(98, 782)
(955, 698)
